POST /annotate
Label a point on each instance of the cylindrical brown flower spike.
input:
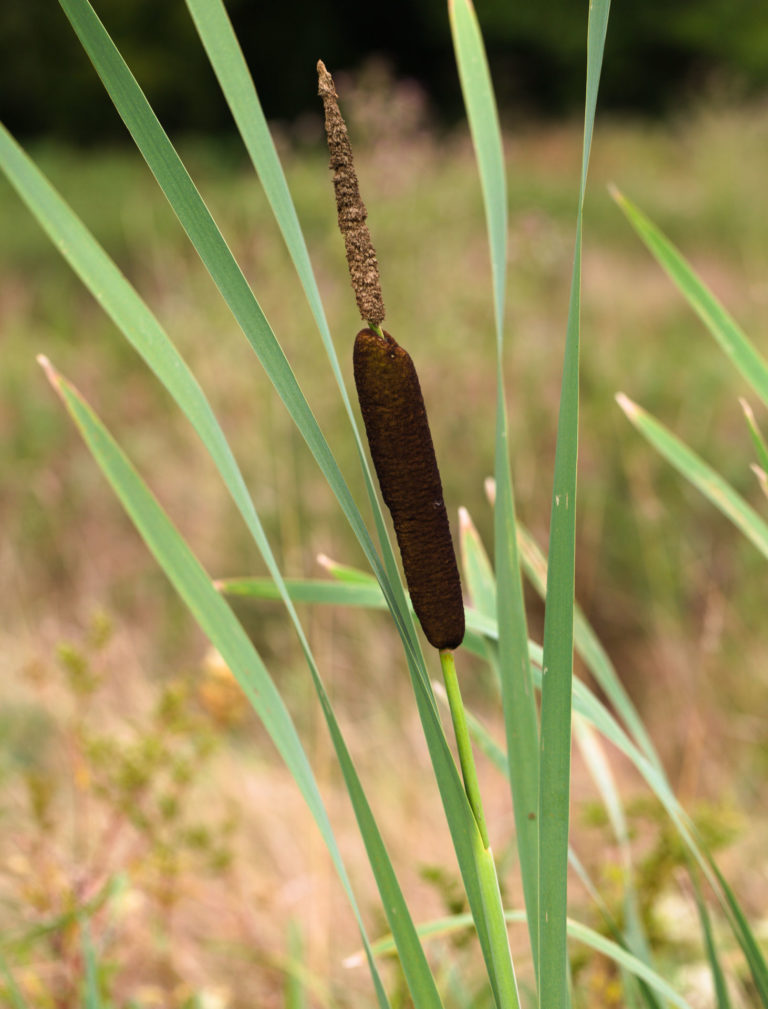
(401, 448)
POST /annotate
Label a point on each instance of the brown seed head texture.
(361, 256)
(402, 451)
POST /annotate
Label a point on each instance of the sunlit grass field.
(97, 651)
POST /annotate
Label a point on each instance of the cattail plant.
(393, 411)
(537, 760)
(400, 441)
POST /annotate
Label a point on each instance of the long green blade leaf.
(91, 994)
(719, 983)
(517, 692)
(11, 988)
(483, 118)
(229, 65)
(588, 647)
(209, 610)
(135, 320)
(554, 783)
(226, 57)
(749, 944)
(699, 473)
(733, 341)
(196, 220)
(580, 933)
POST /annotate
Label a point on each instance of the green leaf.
(294, 993)
(478, 577)
(303, 590)
(367, 595)
(580, 933)
(588, 647)
(756, 434)
(11, 988)
(718, 976)
(345, 573)
(210, 611)
(483, 118)
(520, 715)
(196, 220)
(140, 327)
(746, 937)
(91, 993)
(594, 757)
(226, 57)
(554, 781)
(732, 340)
(698, 473)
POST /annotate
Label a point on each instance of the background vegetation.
(659, 56)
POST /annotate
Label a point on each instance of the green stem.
(504, 982)
(467, 761)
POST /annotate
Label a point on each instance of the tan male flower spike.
(361, 256)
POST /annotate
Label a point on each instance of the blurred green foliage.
(657, 55)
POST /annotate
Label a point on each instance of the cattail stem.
(463, 742)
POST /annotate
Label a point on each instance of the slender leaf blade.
(579, 932)
(210, 245)
(732, 340)
(746, 937)
(699, 473)
(517, 691)
(483, 118)
(588, 647)
(91, 993)
(211, 612)
(756, 435)
(12, 990)
(557, 673)
(719, 983)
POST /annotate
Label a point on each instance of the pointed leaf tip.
(748, 411)
(490, 490)
(45, 364)
(50, 373)
(630, 409)
(762, 477)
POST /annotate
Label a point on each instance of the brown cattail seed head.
(361, 256)
(401, 448)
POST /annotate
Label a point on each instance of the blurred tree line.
(658, 54)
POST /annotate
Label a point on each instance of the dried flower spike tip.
(361, 256)
(401, 448)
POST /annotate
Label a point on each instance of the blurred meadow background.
(133, 774)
